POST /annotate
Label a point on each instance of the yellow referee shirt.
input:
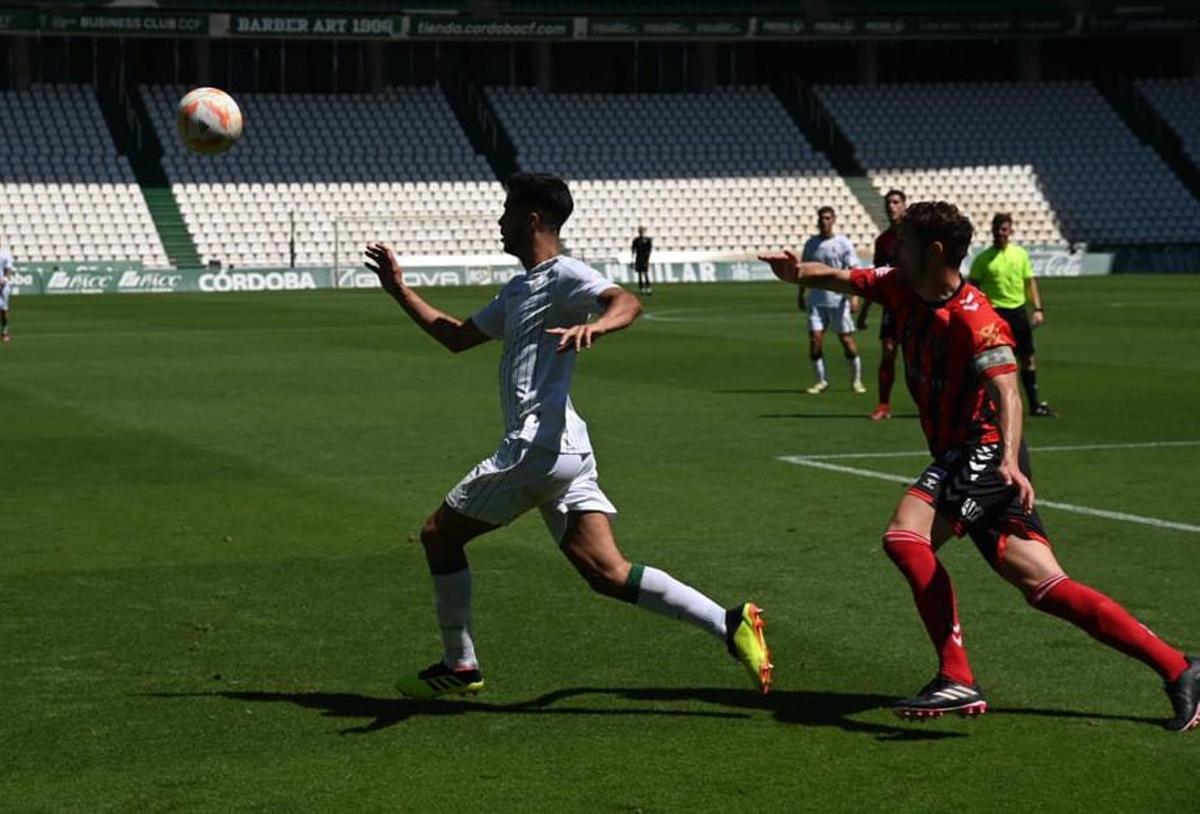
(1001, 274)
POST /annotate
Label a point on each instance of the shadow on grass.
(785, 706)
(859, 416)
(1074, 715)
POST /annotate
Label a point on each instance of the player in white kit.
(545, 458)
(830, 310)
(6, 270)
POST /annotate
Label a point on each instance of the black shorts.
(965, 488)
(641, 268)
(887, 326)
(1018, 321)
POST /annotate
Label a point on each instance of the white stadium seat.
(393, 166)
(721, 171)
(1054, 154)
(67, 193)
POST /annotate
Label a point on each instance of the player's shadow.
(857, 416)
(785, 706)
(1073, 715)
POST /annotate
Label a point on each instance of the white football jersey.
(535, 379)
(836, 252)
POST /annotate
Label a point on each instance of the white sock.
(453, 601)
(819, 368)
(660, 592)
(856, 369)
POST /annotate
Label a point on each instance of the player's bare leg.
(816, 353)
(590, 545)
(914, 534)
(444, 538)
(1031, 566)
(887, 377)
(850, 348)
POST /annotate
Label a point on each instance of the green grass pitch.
(209, 576)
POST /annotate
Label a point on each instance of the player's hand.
(578, 337)
(785, 265)
(1010, 472)
(386, 266)
(1038, 318)
(855, 305)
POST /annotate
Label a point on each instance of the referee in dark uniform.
(641, 248)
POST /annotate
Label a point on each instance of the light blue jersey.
(836, 252)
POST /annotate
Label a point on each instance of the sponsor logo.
(956, 634)
(83, 282)
(971, 511)
(257, 281)
(150, 281)
(969, 302)
(991, 335)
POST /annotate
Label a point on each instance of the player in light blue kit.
(829, 310)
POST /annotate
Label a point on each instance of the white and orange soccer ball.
(208, 120)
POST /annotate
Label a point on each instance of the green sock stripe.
(633, 585)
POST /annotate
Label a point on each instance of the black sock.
(1029, 380)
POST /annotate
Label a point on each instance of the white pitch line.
(1156, 522)
(1064, 448)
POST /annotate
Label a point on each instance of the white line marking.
(1066, 507)
(1065, 448)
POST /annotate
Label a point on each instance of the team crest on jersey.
(991, 335)
(970, 303)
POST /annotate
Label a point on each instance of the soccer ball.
(208, 121)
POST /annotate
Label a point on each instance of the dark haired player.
(962, 373)
(894, 204)
(545, 458)
(641, 248)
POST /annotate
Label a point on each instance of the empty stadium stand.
(392, 166)
(1054, 153)
(67, 194)
(1177, 101)
(722, 171)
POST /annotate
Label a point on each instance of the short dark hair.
(543, 193)
(899, 193)
(825, 209)
(928, 221)
(1001, 218)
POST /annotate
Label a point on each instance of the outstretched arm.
(454, 334)
(621, 308)
(786, 265)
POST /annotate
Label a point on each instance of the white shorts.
(4, 292)
(831, 318)
(520, 476)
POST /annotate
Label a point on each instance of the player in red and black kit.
(962, 373)
(894, 204)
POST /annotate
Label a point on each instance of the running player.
(894, 204)
(6, 271)
(545, 457)
(962, 373)
(1004, 273)
(641, 248)
(829, 309)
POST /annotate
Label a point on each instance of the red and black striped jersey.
(951, 347)
(885, 248)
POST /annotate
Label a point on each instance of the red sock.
(934, 596)
(887, 376)
(1106, 621)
